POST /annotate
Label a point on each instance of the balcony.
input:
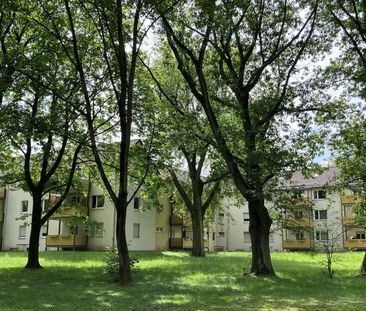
(303, 202)
(176, 220)
(349, 221)
(298, 223)
(2, 193)
(69, 240)
(355, 244)
(69, 212)
(180, 243)
(297, 244)
(351, 199)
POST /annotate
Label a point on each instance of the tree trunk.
(124, 275)
(259, 229)
(363, 266)
(198, 247)
(33, 250)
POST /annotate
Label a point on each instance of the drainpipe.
(5, 207)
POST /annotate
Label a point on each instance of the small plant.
(111, 267)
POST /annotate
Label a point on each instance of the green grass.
(176, 281)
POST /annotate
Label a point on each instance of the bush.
(111, 267)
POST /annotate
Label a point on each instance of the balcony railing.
(69, 240)
(295, 223)
(350, 199)
(68, 212)
(349, 220)
(176, 220)
(180, 243)
(303, 202)
(2, 193)
(297, 244)
(355, 244)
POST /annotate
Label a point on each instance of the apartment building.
(315, 213)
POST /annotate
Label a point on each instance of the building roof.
(324, 179)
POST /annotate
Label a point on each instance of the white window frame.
(96, 230)
(22, 236)
(95, 204)
(221, 234)
(319, 237)
(159, 229)
(317, 214)
(136, 203)
(316, 194)
(246, 217)
(213, 236)
(43, 233)
(136, 234)
(22, 204)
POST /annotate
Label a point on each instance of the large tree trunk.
(33, 251)
(124, 275)
(259, 228)
(363, 266)
(198, 247)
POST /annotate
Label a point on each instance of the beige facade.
(88, 221)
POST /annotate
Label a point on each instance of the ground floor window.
(22, 232)
(136, 231)
(321, 235)
(96, 230)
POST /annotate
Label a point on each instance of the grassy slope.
(175, 281)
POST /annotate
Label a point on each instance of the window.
(22, 232)
(43, 233)
(299, 235)
(221, 214)
(298, 215)
(136, 231)
(246, 237)
(213, 236)
(246, 217)
(360, 235)
(321, 214)
(159, 229)
(321, 235)
(320, 194)
(24, 206)
(96, 230)
(98, 201)
(221, 234)
(136, 203)
(297, 194)
(45, 205)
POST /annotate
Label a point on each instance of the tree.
(102, 40)
(43, 139)
(182, 150)
(239, 60)
(350, 67)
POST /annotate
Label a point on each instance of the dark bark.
(124, 275)
(363, 266)
(198, 247)
(33, 251)
(259, 229)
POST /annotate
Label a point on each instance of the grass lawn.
(176, 281)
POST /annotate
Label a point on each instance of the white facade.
(319, 214)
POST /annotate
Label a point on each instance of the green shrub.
(111, 267)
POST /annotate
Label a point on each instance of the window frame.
(246, 219)
(22, 237)
(318, 213)
(319, 237)
(317, 196)
(22, 204)
(138, 226)
(95, 204)
(136, 203)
